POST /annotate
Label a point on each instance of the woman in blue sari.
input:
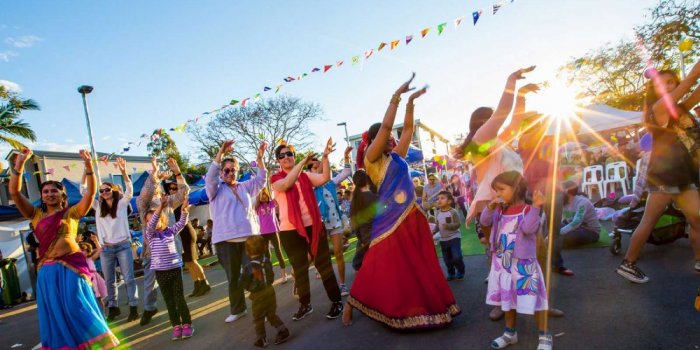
(400, 283)
(69, 317)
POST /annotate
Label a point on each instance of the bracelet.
(90, 174)
(178, 174)
(410, 105)
(395, 99)
(15, 171)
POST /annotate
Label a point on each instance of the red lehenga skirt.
(401, 283)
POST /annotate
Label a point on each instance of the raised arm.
(129, 190)
(347, 169)
(670, 98)
(325, 164)
(519, 114)
(256, 185)
(98, 248)
(183, 190)
(489, 130)
(376, 148)
(15, 186)
(407, 134)
(89, 196)
(184, 216)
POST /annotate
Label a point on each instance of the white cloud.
(70, 140)
(6, 55)
(105, 138)
(23, 42)
(10, 86)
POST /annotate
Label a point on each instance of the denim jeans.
(149, 286)
(452, 255)
(109, 257)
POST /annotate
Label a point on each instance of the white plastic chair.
(616, 173)
(593, 176)
(636, 174)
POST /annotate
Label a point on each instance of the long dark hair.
(59, 186)
(512, 179)
(651, 96)
(361, 210)
(105, 208)
(476, 121)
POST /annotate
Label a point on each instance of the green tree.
(12, 128)
(613, 73)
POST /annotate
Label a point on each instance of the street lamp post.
(347, 138)
(84, 90)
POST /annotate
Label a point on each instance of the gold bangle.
(395, 99)
(410, 105)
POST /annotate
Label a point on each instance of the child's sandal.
(545, 342)
(504, 340)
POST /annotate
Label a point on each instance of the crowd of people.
(508, 195)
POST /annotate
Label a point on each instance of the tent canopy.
(600, 117)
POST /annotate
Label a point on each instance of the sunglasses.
(105, 190)
(285, 155)
(172, 188)
(229, 170)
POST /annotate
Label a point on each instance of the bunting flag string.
(354, 60)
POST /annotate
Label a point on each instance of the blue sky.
(156, 64)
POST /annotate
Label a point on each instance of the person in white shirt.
(112, 221)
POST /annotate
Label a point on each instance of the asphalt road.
(603, 311)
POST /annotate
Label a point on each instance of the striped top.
(164, 255)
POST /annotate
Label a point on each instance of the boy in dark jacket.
(257, 278)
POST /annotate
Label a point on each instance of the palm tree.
(11, 127)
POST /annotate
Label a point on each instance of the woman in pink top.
(269, 227)
(301, 227)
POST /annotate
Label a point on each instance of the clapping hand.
(121, 164)
(518, 74)
(406, 87)
(330, 147)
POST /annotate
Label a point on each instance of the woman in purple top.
(269, 227)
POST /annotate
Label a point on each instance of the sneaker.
(336, 310)
(177, 333)
(282, 336)
(545, 341)
(147, 315)
(204, 288)
(459, 276)
(563, 271)
(344, 290)
(450, 277)
(261, 343)
(304, 310)
(195, 291)
(697, 265)
(187, 331)
(631, 272)
(505, 340)
(236, 317)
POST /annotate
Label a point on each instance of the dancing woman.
(400, 283)
(69, 316)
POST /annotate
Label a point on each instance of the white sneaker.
(233, 318)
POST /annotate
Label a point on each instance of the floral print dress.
(514, 284)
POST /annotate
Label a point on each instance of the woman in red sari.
(69, 317)
(400, 283)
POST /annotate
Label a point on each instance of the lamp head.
(85, 89)
(342, 124)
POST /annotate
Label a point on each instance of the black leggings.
(297, 250)
(170, 282)
(272, 237)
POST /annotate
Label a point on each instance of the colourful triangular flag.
(49, 171)
(277, 88)
(496, 7)
(339, 63)
(232, 103)
(67, 168)
(327, 67)
(267, 88)
(381, 46)
(315, 70)
(458, 21)
(424, 32)
(394, 44)
(369, 53)
(74, 165)
(475, 16)
(355, 59)
(408, 39)
(244, 102)
(441, 27)
(303, 75)
(105, 161)
(134, 169)
(256, 97)
(288, 79)
(184, 126)
(126, 149)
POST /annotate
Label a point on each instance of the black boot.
(113, 313)
(204, 288)
(133, 314)
(197, 288)
(147, 315)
